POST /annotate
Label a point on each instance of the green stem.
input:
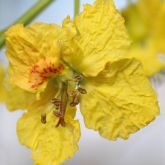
(28, 16)
(76, 7)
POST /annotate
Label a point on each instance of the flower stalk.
(76, 7)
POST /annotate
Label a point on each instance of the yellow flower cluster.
(52, 69)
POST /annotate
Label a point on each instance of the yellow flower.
(116, 99)
(148, 36)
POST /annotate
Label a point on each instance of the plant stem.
(76, 7)
(28, 16)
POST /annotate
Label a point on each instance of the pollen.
(43, 71)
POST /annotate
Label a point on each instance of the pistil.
(63, 104)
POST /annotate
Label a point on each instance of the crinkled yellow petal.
(149, 57)
(119, 101)
(30, 49)
(101, 36)
(50, 145)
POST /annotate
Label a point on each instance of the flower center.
(42, 71)
(62, 102)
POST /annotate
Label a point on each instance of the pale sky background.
(146, 147)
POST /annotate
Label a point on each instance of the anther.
(73, 93)
(75, 101)
(57, 113)
(73, 104)
(56, 102)
(43, 118)
(82, 90)
(78, 78)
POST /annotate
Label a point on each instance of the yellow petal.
(101, 36)
(136, 25)
(119, 101)
(49, 144)
(139, 18)
(17, 99)
(149, 57)
(33, 54)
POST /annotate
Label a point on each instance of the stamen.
(75, 101)
(57, 113)
(78, 78)
(73, 104)
(82, 90)
(61, 104)
(43, 118)
(73, 93)
(56, 101)
(61, 122)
